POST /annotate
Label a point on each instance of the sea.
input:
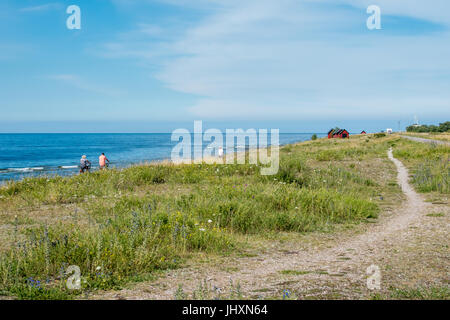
(26, 155)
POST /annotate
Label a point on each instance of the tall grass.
(108, 253)
(135, 221)
(430, 165)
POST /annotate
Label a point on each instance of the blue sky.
(166, 61)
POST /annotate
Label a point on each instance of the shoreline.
(161, 161)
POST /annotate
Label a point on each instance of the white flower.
(209, 221)
(98, 268)
(202, 229)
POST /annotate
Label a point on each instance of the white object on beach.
(220, 152)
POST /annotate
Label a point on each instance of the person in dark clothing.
(85, 164)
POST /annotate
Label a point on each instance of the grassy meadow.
(429, 164)
(442, 136)
(120, 226)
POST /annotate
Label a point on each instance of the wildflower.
(209, 221)
(98, 268)
(202, 229)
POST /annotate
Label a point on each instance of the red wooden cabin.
(341, 133)
(330, 134)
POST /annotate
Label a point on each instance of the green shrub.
(330, 155)
(433, 176)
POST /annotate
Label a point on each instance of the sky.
(152, 65)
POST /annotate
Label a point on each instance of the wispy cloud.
(78, 82)
(41, 8)
(146, 41)
(435, 11)
(306, 59)
(286, 59)
(10, 51)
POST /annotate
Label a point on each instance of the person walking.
(102, 161)
(85, 164)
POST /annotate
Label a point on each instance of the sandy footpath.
(409, 247)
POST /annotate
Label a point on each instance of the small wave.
(68, 167)
(27, 169)
(20, 169)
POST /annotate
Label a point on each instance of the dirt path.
(424, 140)
(405, 246)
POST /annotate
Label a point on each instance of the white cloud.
(79, 83)
(434, 10)
(292, 59)
(150, 29)
(40, 8)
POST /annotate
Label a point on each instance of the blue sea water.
(24, 155)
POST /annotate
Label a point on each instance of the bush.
(293, 171)
(433, 176)
(443, 127)
(329, 155)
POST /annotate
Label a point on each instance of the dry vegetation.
(443, 136)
